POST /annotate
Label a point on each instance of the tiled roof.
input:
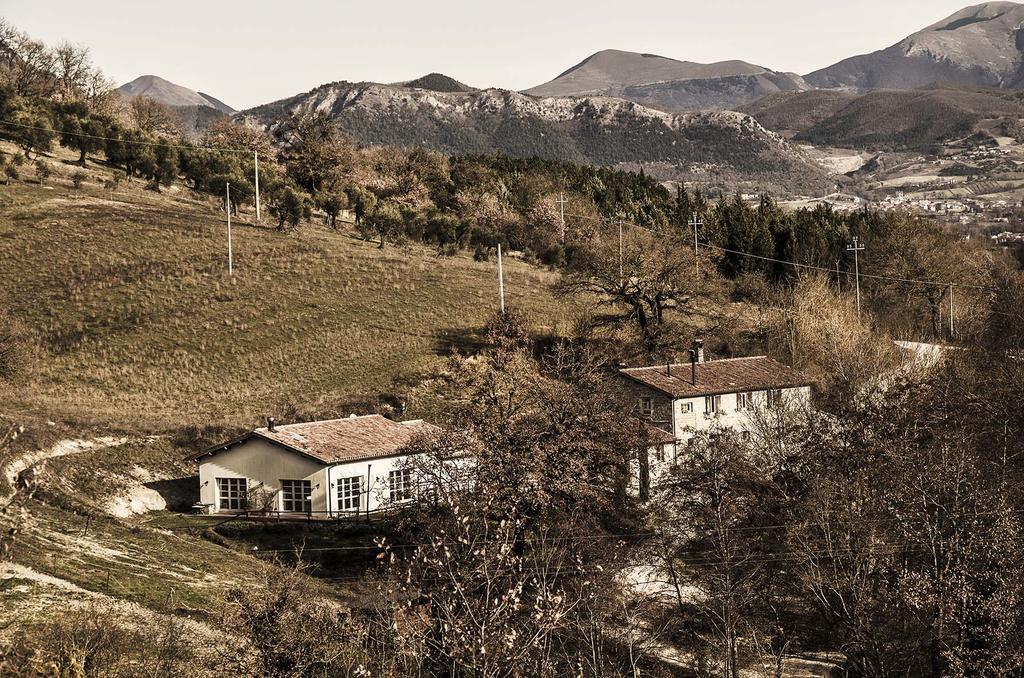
(659, 436)
(340, 440)
(718, 376)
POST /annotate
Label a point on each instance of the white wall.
(695, 421)
(728, 416)
(376, 490)
(261, 463)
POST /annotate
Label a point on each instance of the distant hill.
(438, 82)
(668, 84)
(588, 130)
(916, 119)
(791, 112)
(170, 94)
(978, 46)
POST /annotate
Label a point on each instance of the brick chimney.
(698, 347)
(270, 424)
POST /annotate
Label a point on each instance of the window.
(659, 454)
(712, 405)
(233, 494)
(647, 407)
(744, 401)
(400, 485)
(685, 408)
(349, 492)
(295, 496)
(775, 398)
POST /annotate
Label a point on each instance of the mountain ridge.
(980, 45)
(171, 94)
(666, 83)
(588, 130)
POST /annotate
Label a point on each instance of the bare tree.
(26, 65)
(152, 117)
(708, 511)
(655, 277)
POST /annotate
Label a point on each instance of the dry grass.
(142, 329)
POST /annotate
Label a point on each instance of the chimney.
(270, 424)
(693, 366)
(698, 347)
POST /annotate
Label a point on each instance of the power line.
(596, 536)
(795, 264)
(137, 142)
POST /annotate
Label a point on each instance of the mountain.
(916, 119)
(979, 46)
(668, 84)
(170, 94)
(591, 130)
(437, 82)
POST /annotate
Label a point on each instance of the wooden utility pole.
(227, 200)
(561, 205)
(501, 281)
(256, 164)
(856, 248)
(695, 222)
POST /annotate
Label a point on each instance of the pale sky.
(256, 51)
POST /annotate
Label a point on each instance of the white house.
(318, 469)
(684, 399)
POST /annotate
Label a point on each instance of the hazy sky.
(254, 51)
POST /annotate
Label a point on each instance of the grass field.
(141, 328)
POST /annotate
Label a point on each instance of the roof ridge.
(706, 362)
(279, 427)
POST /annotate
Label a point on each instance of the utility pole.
(256, 164)
(227, 201)
(501, 281)
(856, 248)
(695, 222)
(561, 205)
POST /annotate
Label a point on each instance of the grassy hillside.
(140, 329)
(140, 326)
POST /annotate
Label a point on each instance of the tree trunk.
(81, 158)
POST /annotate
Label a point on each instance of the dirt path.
(12, 470)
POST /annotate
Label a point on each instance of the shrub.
(77, 178)
(11, 172)
(43, 171)
(114, 181)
